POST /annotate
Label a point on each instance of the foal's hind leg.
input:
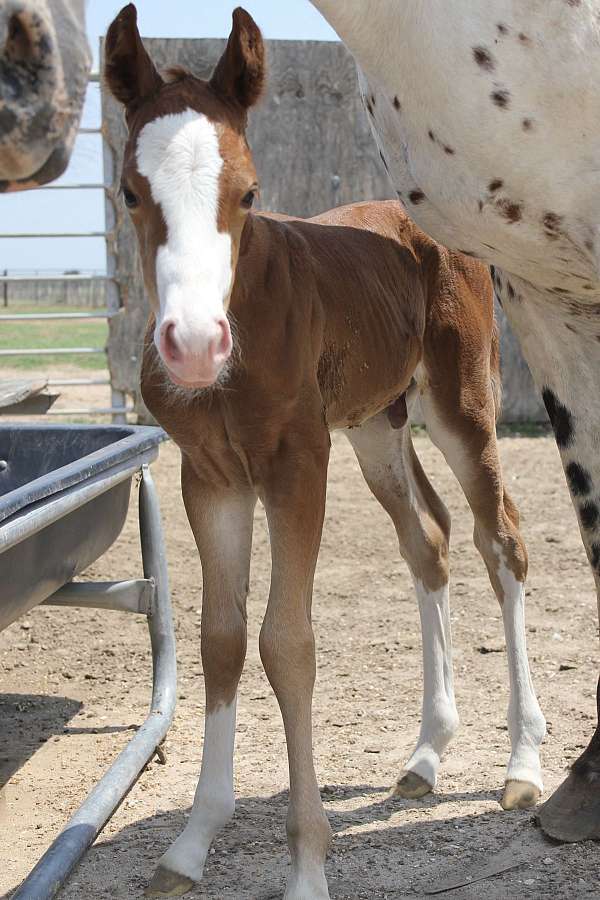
(460, 416)
(221, 520)
(394, 474)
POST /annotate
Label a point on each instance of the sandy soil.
(74, 683)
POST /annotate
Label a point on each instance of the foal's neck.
(259, 259)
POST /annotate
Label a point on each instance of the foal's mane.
(175, 74)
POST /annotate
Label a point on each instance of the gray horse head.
(44, 66)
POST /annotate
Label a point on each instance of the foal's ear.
(128, 70)
(240, 73)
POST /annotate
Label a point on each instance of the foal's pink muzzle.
(194, 360)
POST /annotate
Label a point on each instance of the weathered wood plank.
(16, 390)
(35, 405)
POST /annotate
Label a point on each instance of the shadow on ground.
(27, 722)
(374, 853)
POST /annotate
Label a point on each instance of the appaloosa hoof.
(519, 795)
(572, 813)
(411, 786)
(166, 883)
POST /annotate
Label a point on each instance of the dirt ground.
(75, 683)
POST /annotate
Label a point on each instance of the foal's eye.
(248, 199)
(130, 198)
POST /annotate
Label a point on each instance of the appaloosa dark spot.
(8, 120)
(500, 98)
(502, 29)
(560, 418)
(580, 480)
(552, 223)
(527, 124)
(574, 2)
(570, 328)
(524, 38)
(397, 104)
(416, 197)
(589, 244)
(511, 290)
(495, 185)
(431, 135)
(589, 514)
(448, 150)
(484, 58)
(480, 205)
(511, 211)
(44, 45)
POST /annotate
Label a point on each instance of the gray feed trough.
(64, 495)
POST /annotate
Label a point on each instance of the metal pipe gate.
(118, 408)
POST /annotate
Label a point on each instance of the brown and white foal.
(338, 319)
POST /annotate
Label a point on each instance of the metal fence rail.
(20, 317)
(118, 408)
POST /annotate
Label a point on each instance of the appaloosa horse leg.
(394, 475)
(560, 337)
(294, 501)
(221, 520)
(460, 417)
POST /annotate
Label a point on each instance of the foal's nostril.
(222, 344)
(169, 342)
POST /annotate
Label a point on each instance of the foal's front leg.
(222, 524)
(295, 503)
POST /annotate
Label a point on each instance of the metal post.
(64, 853)
(113, 297)
(154, 560)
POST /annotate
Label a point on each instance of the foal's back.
(382, 295)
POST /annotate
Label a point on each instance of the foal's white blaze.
(440, 717)
(214, 801)
(526, 724)
(179, 155)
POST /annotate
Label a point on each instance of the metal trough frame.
(148, 596)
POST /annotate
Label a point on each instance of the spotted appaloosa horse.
(336, 318)
(44, 65)
(488, 118)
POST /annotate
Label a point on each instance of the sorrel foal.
(337, 321)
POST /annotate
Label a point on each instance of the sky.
(83, 210)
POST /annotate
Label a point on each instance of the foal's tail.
(495, 376)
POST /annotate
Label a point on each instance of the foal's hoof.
(519, 795)
(166, 883)
(573, 811)
(411, 786)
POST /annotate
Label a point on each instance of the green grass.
(525, 429)
(516, 429)
(54, 333)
